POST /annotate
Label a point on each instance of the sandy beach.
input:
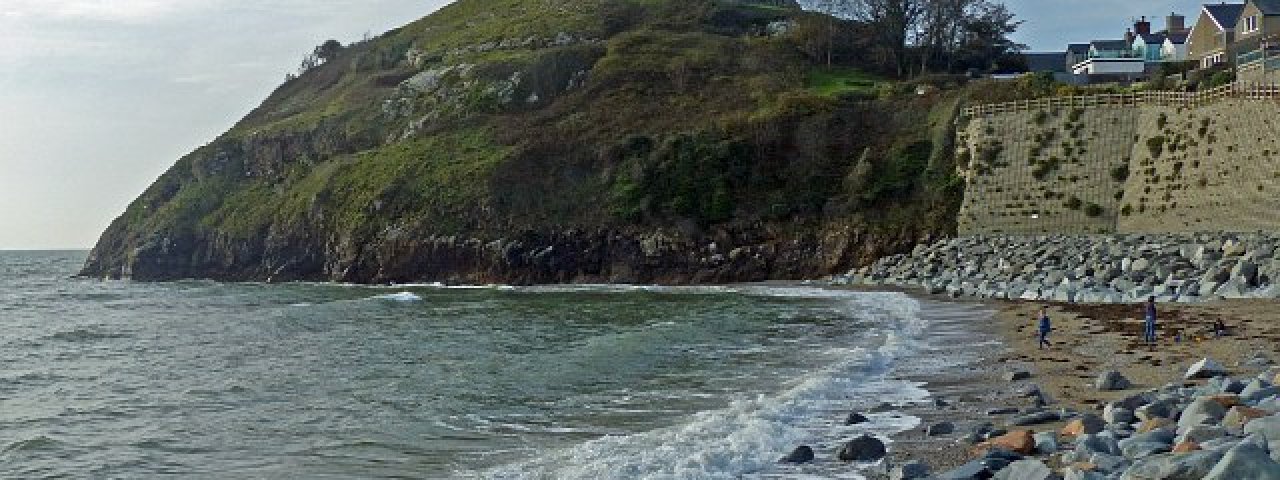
(1087, 339)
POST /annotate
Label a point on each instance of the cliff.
(537, 141)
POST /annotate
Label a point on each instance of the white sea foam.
(746, 438)
(400, 297)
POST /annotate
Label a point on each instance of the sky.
(99, 97)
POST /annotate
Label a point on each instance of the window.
(1251, 24)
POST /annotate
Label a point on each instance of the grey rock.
(1202, 411)
(909, 471)
(974, 470)
(941, 428)
(1205, 368)
(1002, 411)
(1115, 414)
(1027, 469)
(1089, 444)
(865, 448)
(855, 418)
(1201, 434)
(1170, 466)
(1140, 450)
(1073, 473)
(1035, 418)
(1156, 409)
(1245, 461)
(1269, 429)
(1016, 376)
(1046, 443)
(1112, 380)
(802, 454)
(1109, 463)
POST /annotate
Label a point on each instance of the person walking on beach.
(1045, 327)
(1149, 332)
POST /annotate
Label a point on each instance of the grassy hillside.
(491, 117)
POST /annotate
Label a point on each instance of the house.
(1213, 33)
(1076, 53)
(1149, 46)
(1112, 58)
(1257, 44)
(1174, 48)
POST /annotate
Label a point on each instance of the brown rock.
(1154, 424)
(1020, 441)
(1186, 447)
(1080, 427)
(1240, 415)
(1226, 400)
(1084, 466)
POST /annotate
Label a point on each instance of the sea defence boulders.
(1086, 268)
(865, 448)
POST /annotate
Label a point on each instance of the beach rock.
(974, 470)
(1269, 429)
(1205, 368)
(1202, 411)
(1002, 411)
(1227, 400)
(1186, 447)
(1076, 473)
(1201, 434)
(1156, 409)
(855, 418)
(883, 407)
(1115, 414)
(802, 454)
(1085, 424)
(1245, 461)
(865, 448)
(1140, 450)
(1019, 441)
(909, 471)
(1028, 469)
(941, 428)
(1108, 463)
(1089, 444)
(1253, 397)
(1046, 443)
(1241, 415)
(1017, 375)
(1171, 466)
(1155, 424)
(1035, 418)
(1112, 380)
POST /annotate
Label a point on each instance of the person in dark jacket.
(1149, 328)
(1045, 327)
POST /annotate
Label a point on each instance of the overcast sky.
(98, 97)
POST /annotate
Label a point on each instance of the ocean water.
(198, 379)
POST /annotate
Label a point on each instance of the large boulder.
(1035, 418)
(1112, 380)
(1205, 368)
(1155, 409)
(1046, 443)
(865, 448)
(1115, 414)
(1202, 411)
(1241, 415)
(1245, 461)
(855, 418)
(1089, 444)
(1269, 429)
(802, 454)
(1174, 466)
(1028, 469)
(1201, 434)
(940, 428)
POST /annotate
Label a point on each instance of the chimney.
(1128, 36)
(1142, 27)
(1175, 23)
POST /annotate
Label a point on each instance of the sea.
(200, 379)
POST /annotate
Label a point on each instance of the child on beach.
(1149, 330)
(1045, 327)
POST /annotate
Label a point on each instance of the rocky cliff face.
(648, 142)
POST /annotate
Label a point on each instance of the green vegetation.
(839, 82)
(1155, 145)
(1120, 173)
(1074, 203)
(1093, 210)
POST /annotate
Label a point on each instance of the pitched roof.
(1046, 61)
(1268, 7)
(1178, 38)
(1110, 44)
(1225, 14)
(1079, 48)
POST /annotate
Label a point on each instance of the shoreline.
(1088, 339)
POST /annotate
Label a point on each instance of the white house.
(1175, 47)
(1110, 57)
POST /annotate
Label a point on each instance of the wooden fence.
(1252, 91)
